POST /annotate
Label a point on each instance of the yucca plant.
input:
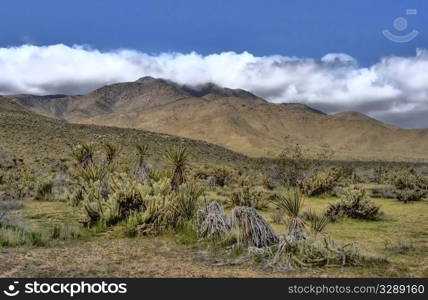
(178, 159)
(111, 152)
(291, 203)
(83, 154)
(141, 170)
(318, 223)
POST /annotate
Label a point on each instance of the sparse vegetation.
(180, 195)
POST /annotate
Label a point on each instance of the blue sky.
(303, 28)
(329, 54)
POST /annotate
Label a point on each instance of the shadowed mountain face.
(235, 119)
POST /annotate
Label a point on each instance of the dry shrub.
(325, 252)
(354, 204)
(212, 221)
(254, 230)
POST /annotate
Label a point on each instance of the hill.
(42, 140)
(235, 119)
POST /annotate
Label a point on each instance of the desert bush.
(18, 182)
(409, 185)
(296, 163)
(321, 182)
(408, 195)
(223, 175)
(249, 196)
(254, 230)
(354, 204)
(201, 172)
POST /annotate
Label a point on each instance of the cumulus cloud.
(395, 89)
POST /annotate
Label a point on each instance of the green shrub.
(354, 204)
(249, 196)
(409, 185)
(321, 182)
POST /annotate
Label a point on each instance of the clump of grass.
(65, 232)
(13, 236)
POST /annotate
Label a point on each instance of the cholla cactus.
(354, 204)
(321, 182)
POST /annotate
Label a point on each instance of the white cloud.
(335, 82)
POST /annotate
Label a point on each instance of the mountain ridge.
(233, 118)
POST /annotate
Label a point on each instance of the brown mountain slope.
(238, 120)
(262, 129)
(42, 140)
